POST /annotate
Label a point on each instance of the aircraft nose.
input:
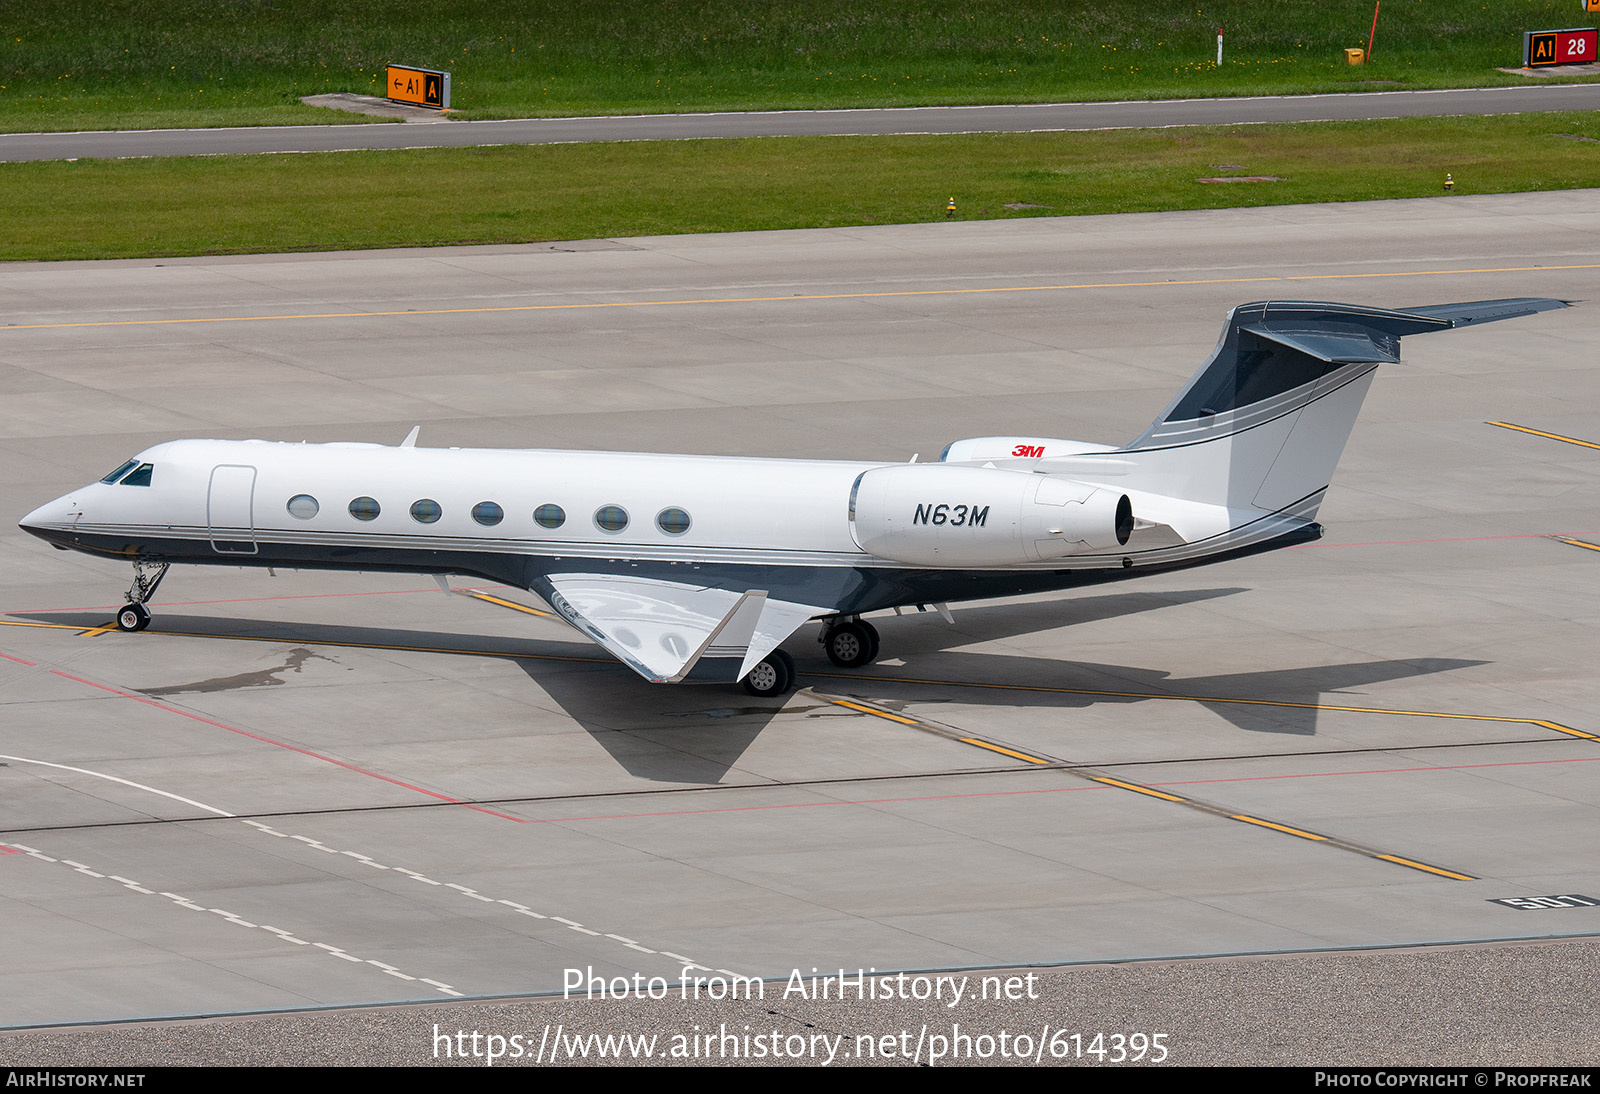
(49, 516)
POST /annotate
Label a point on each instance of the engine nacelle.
(1012, 448)
(936, 515)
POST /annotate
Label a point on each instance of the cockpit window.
(140, 477)
(120, 471)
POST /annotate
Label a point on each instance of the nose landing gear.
(133, 617)
(146, 578)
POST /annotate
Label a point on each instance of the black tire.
(851, 645)
(772, 676)
(133, 617)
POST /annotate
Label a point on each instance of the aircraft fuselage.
(699, 567)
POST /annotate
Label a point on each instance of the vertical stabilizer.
(1262, 425)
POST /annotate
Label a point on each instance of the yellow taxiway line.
(512, 604)
(1091, 775)
(1540, 722)
(1268, 279)
(506, 654)
(861, 709)
(1542, 433)
(976, 742)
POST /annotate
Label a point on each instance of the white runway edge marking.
(124, 782)
(239, 921)
(318, 845)
(473, 894)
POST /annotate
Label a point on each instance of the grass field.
(235, 204)
(88, 64)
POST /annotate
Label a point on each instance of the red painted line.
(1459, 539)
(1047, 790)
(282, 744)
(812, 805)
(304, 596)
(268, 599)
(20, 661)
(4, 850)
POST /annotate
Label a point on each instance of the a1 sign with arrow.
(418, 86)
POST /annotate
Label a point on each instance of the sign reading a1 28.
(1575, 46)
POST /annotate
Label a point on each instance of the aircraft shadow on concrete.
(688, 735)
(696, 734)
(1278, 701)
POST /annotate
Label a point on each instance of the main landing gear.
(146, 578)
(774, 675)
(850, 643)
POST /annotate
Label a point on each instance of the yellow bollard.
(950, 210)
(1449, 182)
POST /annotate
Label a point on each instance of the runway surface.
(319, 790)
(1042, 117)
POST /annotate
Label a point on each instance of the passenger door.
(229, 509)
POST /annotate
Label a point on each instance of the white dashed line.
(315, 844)
(184, 902)
(521, 909)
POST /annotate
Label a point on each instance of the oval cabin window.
(611, 518)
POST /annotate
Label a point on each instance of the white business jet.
(696, 568)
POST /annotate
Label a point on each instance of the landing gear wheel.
(772, 676)
(147, 577)
(852, 644)
(134, 617)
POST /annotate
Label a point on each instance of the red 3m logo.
(1034, 450)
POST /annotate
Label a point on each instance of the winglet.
(411, 438)
(732, 636)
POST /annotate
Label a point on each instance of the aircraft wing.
(669, 632)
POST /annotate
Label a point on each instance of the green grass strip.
(330, 201)
(93, 64)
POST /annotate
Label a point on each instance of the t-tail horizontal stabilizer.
(1313, 330)
(1276, 355)
(1260, 427)
(1488, 311)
